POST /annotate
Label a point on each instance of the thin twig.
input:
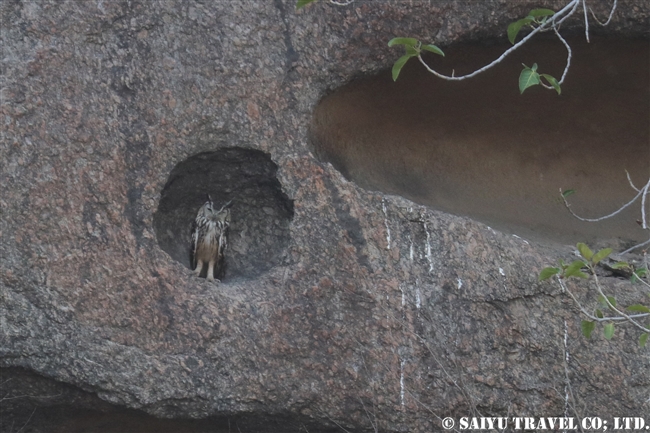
(611, 14)
(584, 9)
(374, 425)
(621, 318)
(644, 223)
(616, 212)
(575, 4)
(417, 400)
(610, 305)
(627, 173)
(642, 244)
(569, 53)
(339, 425)
(27, 422)
(568, 60)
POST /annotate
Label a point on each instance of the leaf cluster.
(605, 303)
(535, 17)
(413, 48)
(529, 76)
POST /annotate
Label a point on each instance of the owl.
(210, 239)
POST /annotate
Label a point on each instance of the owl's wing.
(194, 244)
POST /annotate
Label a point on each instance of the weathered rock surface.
(367, 312)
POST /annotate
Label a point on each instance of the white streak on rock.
(383, 207)
(401, 381)
(428, 249)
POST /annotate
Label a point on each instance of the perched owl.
(209, 239)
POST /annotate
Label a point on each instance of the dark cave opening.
(260, 211)
(37, 404)
(479, 148)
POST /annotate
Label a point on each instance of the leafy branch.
(539, 20)
(413, 48)
(608, 313)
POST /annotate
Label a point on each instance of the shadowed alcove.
(480, 149)
(260, 211)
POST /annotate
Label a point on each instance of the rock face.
(342, 307)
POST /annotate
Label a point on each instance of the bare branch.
(27, 422)
(569, 53)
(630, 180)
(574, 5)
(643, 192)
(584, 9)
(642, 244)
(611, 14)
(644, 223)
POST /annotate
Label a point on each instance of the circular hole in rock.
(479, 148)
(260, 211)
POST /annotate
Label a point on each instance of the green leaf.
(399, 64)
(553, 82)
(602, 301)
(409, 42)
(568, 192)
(527, 78)
(537, 13)
(433, 49)
(513, 28)
(599, 314)
(411, 51)
(587, 328)
(573, 270)
(585, 251)
(579, 274)
(620, 265)
(638, 308)
(643, 338)
(303, 3)
(608, 330)
(601, 255)
(548, 273)
(637, 274)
